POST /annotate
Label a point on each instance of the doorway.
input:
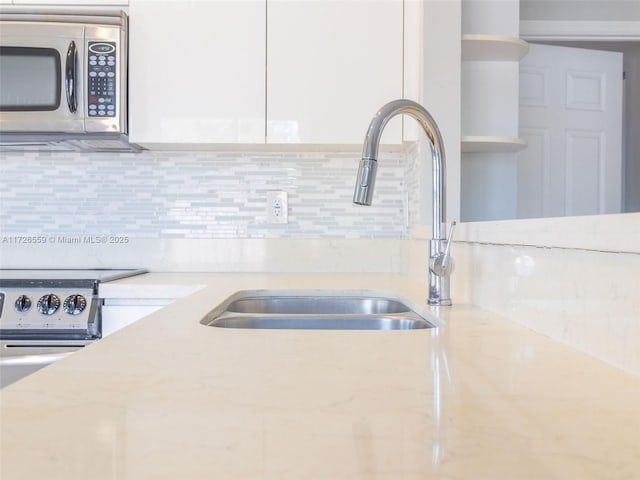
(630, 187)
(570, 113)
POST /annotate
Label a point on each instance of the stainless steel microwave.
(63, 80)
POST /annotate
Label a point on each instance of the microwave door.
(41, 69)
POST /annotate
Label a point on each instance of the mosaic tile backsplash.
(199, 195)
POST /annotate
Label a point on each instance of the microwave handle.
(70, 80)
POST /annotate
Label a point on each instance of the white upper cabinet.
(256, 71)
(330, 66)
(197, 71)
(96, 3)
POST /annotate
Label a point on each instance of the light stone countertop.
(480, 397)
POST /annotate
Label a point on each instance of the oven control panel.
(46, 309)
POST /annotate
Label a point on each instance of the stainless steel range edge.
(46, 315)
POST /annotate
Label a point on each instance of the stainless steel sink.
(318, 310)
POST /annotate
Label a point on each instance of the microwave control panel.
(101, 79)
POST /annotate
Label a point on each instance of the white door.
(571, 116)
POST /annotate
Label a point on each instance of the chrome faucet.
(440, 262)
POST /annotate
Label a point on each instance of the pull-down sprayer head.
(363, 193)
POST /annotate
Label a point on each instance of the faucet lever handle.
(448, 244)
(441, 263)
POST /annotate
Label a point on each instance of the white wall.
(582, 10)
(631, 186)
(441, 97)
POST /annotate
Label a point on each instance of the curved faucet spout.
(363, 193)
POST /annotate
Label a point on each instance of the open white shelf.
(491, 144)
(493, 47)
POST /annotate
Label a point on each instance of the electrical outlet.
(277, 207)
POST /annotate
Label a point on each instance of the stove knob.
(48, 304)
(74, 304)
(23, 304)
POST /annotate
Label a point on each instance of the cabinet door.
(330, 66)
(119, 316)
(197, 71)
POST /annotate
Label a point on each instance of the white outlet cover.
(277, 207)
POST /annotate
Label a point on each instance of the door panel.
(584, 157)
